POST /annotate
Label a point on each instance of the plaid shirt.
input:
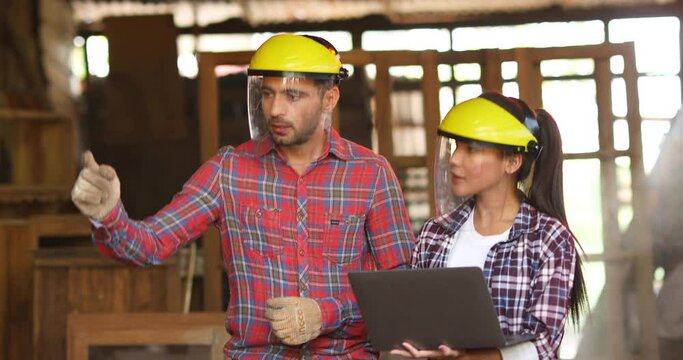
(283, 235)
(530, 275)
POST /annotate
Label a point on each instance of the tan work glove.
(295, 320)
(97, 189)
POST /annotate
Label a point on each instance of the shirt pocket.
(261, 229)
(343, 237)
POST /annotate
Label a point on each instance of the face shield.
(279, 66)
(488, 122)
(266, 94)
(445, 198)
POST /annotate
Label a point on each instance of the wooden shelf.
(30, 115)
(13, 194)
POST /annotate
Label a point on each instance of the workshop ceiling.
(263, 12)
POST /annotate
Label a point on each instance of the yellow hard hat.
(481, 119)
(291, 55)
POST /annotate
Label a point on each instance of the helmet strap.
(531, 123)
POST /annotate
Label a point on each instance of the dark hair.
(545, 192)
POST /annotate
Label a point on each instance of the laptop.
(428, 308)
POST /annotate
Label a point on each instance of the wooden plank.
(220, 337)
(95, 289)
(60, 225)
(209, 60)
(402, 162)
(86, 330)
(213, 270)
(579, 52)
(19, 327)
(432, 118)
(24, 142)
(529, 78)
(209, 143)
(173, 294)
(614, 288)
(383, 112)
(533, 54)
(600, 154)
(31, 116)
(463, 57)
(67, 257)
(4, 291)
(50, 312)
(492, 78)
(148, 295)
(59, 160)
(357, 57)
(208, 106)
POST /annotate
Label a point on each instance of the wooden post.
(430, 100)
(615, 271)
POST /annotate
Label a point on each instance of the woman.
(514, 229)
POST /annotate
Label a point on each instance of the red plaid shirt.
(283, 234)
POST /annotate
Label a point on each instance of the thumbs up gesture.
(97, 189)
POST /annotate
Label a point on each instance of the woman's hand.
(445, 352)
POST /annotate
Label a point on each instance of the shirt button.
(300, 217)
(301, 180)
(258, 213)
(302, 252)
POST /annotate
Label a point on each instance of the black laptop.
(429, 307)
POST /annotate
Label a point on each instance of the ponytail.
(544, 191)
(546, 194)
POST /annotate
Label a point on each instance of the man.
(298, 207)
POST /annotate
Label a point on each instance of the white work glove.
(295, 320)
(97, 189)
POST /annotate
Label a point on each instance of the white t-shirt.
(470, 249)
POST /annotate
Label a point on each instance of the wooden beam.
(383, 110)
(430, 107)
(615, 272)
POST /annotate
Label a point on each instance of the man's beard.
(301, 135)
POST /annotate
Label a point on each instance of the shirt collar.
(526, 220)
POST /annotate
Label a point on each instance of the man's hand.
(97, 189)
(295, 320)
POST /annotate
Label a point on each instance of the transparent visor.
(266, 97)
(447, 196)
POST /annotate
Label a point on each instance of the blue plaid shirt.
(530, 275)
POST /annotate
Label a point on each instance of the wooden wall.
(138, 118)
